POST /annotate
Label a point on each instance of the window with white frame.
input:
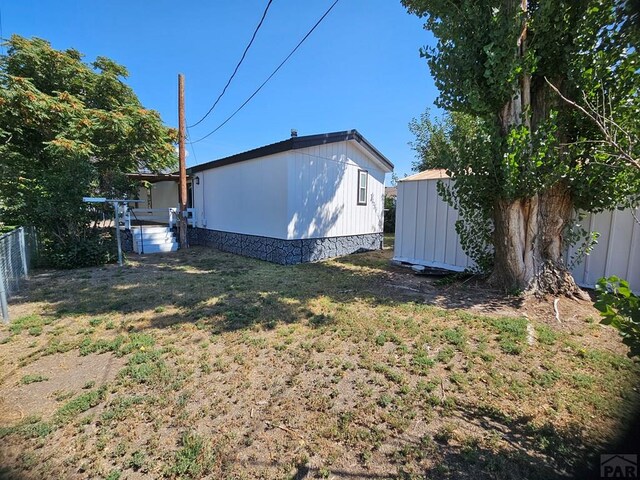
(363, 177)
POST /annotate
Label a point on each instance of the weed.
(94, 322)
(27, 379)
(61, 395)
(31, 427)
(446, 354)
(101, 345)
(117, 410)
(195, 458)
(455, 336)
(32, 323)
(445, 434)
(137, 461)
(546, 335)
(389, 374)
(546, 378)
(35, 331)
(114, 475)
(146, 366)
(512, 334)
(581, 380)
(421, 361)
(80, 404)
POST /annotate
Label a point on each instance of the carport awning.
(155, 177)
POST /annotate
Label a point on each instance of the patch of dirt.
(65, 373)
(474, 295)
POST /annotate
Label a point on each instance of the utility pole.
(182, 191)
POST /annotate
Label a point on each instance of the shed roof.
(295, 143)
(433, 174)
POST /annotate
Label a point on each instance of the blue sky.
(359, 69)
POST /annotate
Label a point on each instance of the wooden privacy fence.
(426, 235)
(16, 250)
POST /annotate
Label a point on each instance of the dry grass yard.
(202, 364)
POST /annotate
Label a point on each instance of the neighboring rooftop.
(433, 174)
(391, 192)
(295, 143)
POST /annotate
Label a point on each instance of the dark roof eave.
(294, 143)
(155, 177)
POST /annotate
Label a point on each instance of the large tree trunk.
(529, 232)
(529, 243)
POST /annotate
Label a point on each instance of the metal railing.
(16, 251)
(168, 216)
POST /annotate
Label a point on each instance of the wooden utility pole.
(182, 191)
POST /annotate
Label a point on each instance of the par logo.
(619, 466)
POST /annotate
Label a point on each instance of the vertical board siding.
(426, 235)
(425, 228)
(616, 252)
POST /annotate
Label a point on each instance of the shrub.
(620, 308)
(96, 247)
(389, 215)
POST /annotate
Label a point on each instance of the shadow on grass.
(234, 292)
(10, 474)
(539, 451)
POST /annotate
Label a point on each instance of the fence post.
(23, 252)
(4, 306)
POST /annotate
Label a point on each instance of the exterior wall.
(323, 189)
(284, 252)
(143, 194)
(425, 228)
(163, 195)
(299, 194)
(617, 252)
(425, 235)
(248, 197)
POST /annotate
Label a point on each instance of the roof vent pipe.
(294, 132)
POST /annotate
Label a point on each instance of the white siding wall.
(247, 197)
(163, 195)
(617, 252)
(323, 184)
(425, 228)
(425, 235)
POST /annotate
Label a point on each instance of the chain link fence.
(17, 249)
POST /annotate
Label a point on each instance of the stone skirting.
(284, 252)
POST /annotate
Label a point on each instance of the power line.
(195, 157)
(270, 76)
(255, 32)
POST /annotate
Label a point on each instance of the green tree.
(502, 63)
(69, 129)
